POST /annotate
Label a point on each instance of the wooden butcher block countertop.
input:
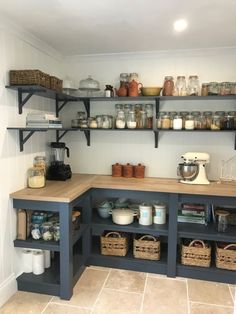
(67, 191)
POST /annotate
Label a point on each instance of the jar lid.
(222, 212)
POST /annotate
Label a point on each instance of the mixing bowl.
(188, 171)
(151, 91)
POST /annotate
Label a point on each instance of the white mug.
(145, 215)
(160, 214)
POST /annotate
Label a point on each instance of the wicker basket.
(55, 83)
(196, 255)
(114, 243)
(29, 77)
(147, 247)
(226, 257)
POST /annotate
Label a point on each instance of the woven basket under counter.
(114, 243)
(29, 77)
(226, 256)
(55, 83)
(147, 247)
(197, 253)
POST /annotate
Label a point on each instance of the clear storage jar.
(56, 232)
(189, 122)
(181, 86)
(47, 231)
(40, 162)
(200, 122)
(165, 121)
(120, 120)
(208, 116)
(205, 89)
(213, 88)
(177, 123)
(131, 120)
(35, 231)
(149, 110)
(36, 178)
(159, 119)
(222, 222)
(193, 85)
(216, 122)
(143, 119)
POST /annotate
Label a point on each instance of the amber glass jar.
(168, 87)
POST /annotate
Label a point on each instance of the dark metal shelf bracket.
(87, 135)
(157, 100)
(24, 140)
(87, 106)
(21, 101)
(59, 137)
(156, 135)
(59, 107)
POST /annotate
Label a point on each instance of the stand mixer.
(192, 170)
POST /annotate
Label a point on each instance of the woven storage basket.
(114, 243)
(29, 77)
(55, 83)
(147, 247)
(226, 257)
(196, 255)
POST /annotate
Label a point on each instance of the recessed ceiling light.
(180, 25)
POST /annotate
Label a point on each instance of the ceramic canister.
(160, 214)
(145, 214)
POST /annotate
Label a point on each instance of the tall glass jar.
(47, 231)
(195, 114)
(120, 120)
(193, 85)
(183, 114)
(149, 110)
(106, 121)
(205, 89)
(137, 110)
(200, 122)
(216, 122)
(40, 162)
(165, 121)
(172, 114)
(143, 119)
(159, 118)
(131, 120)
(222, 117)
(36, 178)
(177, 123)
(208, 116)
(181, 86)
(168, 87)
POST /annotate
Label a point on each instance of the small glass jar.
(131, 120)
(105, 122)
(224, 88)
(81, 115)
(193, 85)
(99, 121)
(159, 119)
(168, 87)
(93, 123)
(36, 178)
(200, 122)
(222, 117)
(208, 117)
(213, 88)
(183, 114)
(35, 231)
(172, 114)
(233, 113)
(120, 120)
(56, 232)
(40, 162)
(177, 122)
(143, 119)
(222, 217)
(84, 124)
(124, 77)
(38, 217)
(233, 88)
(216, 122)
(189, 122)
(195, 114)
(149, 110)
(228, 123)
(165, 121)
(181, 86)
(205, 89)
(47, 231)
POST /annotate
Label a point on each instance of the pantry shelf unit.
(61, 99)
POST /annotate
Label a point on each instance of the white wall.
(110, 147)
(18, 50)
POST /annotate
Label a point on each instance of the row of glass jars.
(215, 88)
(219, 120)
(180, 87)
(48, 231)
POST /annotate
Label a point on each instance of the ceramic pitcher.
(133, 88)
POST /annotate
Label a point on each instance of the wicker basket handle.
(148, 236)
(113, 232)
(195, 241)
(229, 245)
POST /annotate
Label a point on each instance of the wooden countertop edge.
(81, 183)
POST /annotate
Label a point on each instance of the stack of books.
(192, 213)
(42, 120)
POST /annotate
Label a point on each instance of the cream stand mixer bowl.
(193, 169)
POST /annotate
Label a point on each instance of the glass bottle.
(36, 178)
(193, 85)
(168, 87)
(120, 120)
(109, 91)
(181, 86)
(131, 120)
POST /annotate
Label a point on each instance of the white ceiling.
(107, 26)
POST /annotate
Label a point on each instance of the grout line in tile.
(122, 290)
(46, 305)
(150, 275)
(92, 308)
(188, 301)
(71, 305)
(231, 293)
(144, 291)
(212, 304)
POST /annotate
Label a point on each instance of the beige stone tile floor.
(112, 291)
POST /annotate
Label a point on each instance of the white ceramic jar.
(160, 214)
(145, 214)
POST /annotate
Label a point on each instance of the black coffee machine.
(58, 170)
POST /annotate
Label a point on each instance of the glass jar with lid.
(35, 231)
(200, 122)
(189, 122)
(143, 119)
(183, 114)
(222, 117)
(222, 220)
(120, 120)
(137, 110)
(213, 88)
(124, 78)
(233, 113)
(177, 122)
(119, 107)
(208, 117)
(195, 114)
(159, 119)
(149, 110)
(205, 89)
(36, 178)
(40, 162)
(181, 86)
(83, 124)
(168, 87)
(165, 121)
(56, 232)
(81, 115)
(99, 121)
(106, 121)
(47, 231)
(224, 88)
(193, 85)
(93, 123)
(228, 123)
(172, 114)
(216, 122)
(131, 120)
